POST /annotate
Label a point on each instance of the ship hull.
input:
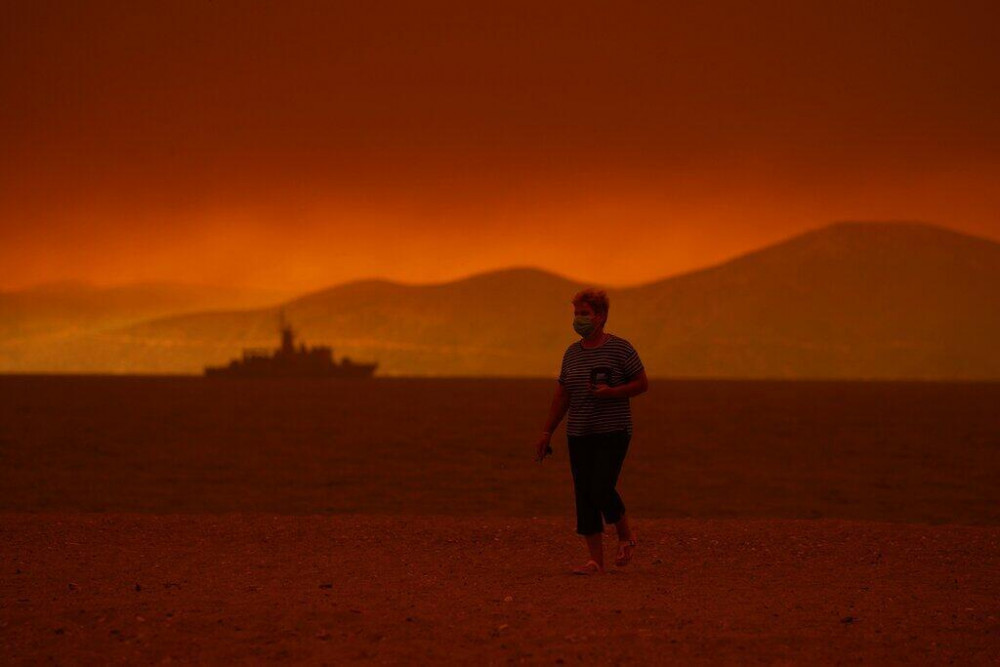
(354, 371)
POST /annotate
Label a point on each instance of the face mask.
(583, 325)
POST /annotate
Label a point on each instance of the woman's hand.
(543, 448)
(603, 390)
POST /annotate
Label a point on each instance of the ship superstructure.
(291, 361)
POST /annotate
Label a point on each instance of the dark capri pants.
(595, 460)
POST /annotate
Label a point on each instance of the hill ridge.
(846, 300)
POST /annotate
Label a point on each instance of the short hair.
(596, 298)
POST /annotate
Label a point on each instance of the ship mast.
(287, 335)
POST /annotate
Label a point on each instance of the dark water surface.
(926, 452)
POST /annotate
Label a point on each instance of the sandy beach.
(97, 588)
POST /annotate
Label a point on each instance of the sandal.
(590, 567)
(625, 549)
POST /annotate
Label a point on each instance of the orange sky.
(301, 144)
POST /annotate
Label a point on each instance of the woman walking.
(600, 372)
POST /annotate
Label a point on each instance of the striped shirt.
(587, 413)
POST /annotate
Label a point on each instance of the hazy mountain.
(875, 300)
(508, 322)
(870, 300)
(74, 306)
(38, 322)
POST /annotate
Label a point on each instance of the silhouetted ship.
(289, 361)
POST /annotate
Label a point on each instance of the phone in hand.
(600, 375)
